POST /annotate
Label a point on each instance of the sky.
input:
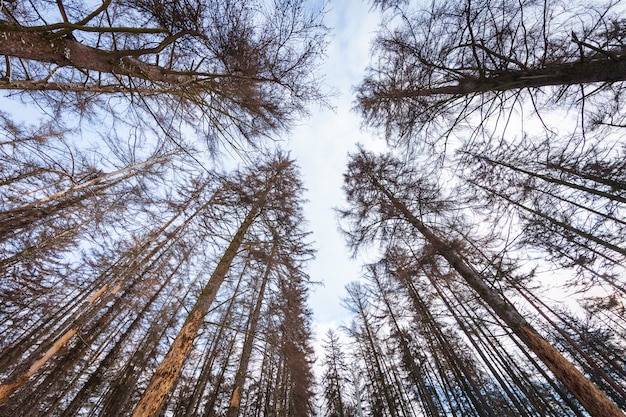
(320, 145)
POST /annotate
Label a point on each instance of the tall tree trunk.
(599, 71)
(594, 400)
(193, 406)
(167, 372)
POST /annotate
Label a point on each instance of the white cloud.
(320, 146)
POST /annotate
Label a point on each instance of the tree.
(165, 375)
(379, 211)
(483, 62)
(124, 276)
(268, 192)
(251, 333)
(334, 377)
(384, 391)
(229, 69)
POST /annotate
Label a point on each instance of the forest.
(154, 248)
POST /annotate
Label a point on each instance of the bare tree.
(229, 69)
(569, 201)
(482, 63)
(337, 401)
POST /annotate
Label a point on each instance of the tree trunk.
(167, 372)
(560, 224)
(68, 52)
(596, 403)
(597, 71)
(89, 308)
(549, 179)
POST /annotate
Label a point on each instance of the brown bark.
(594, 401)
(68, 52)
(607, 70)
(73, 323)
(6, 390)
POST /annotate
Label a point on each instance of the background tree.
(167, 372)
(99, 340)
(566, 200)
(335, 376)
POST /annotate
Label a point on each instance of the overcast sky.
(320, 146)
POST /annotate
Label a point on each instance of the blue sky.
(321, 144)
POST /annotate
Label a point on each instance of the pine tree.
(480, 63)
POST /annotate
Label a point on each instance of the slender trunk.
(415, 373)
(442, 349)
(594, 400)
(29, 214)
(614, 184)
(601, 373)
(379, 374)
(122, 173)
(606, 216)
(209, 407)
(89, 308)
(565, 226)
(546, 178)
(480, 347)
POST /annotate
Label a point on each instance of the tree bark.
(89, 308)
(607, 70)
(68, 52)
(594, 400)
